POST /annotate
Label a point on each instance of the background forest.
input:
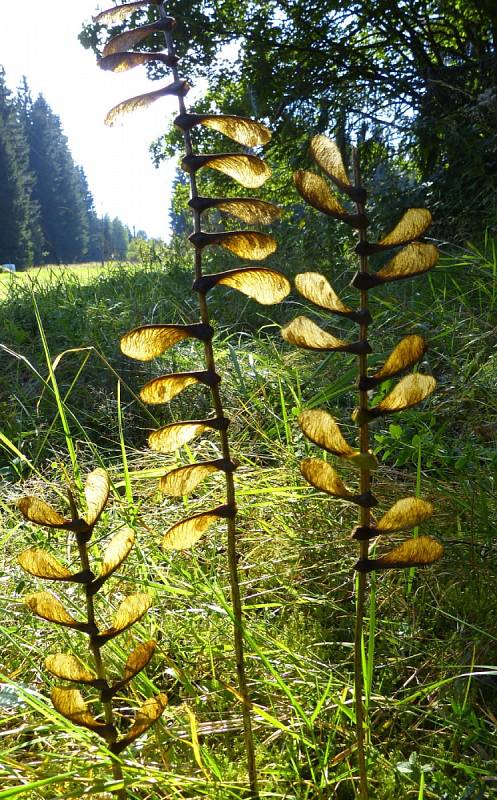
(414, 86)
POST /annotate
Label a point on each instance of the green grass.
(433, 691)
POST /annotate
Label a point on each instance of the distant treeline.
(47, 213)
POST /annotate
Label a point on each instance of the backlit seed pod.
(245, 131)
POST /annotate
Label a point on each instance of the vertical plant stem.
(364, 520)
(96, 650)
(230, 483)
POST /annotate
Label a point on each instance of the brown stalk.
(230, 483)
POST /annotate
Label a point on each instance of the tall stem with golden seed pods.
(412, 258)
(261, 283)
(42, 564)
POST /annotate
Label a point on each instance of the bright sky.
(39, 40)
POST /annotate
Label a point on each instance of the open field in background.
(434, 692)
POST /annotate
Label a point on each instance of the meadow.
(432, 696)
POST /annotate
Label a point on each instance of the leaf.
(116, 552)
(173, 436)
(243, 130)
(186, 533)
(70, 703)
(266, 286)
(122, 62)
(322, 476)
(41, 513)
(183, 480)
(404, 515)
(419, 552)
(252, 245)
(165, 388)
(149, 713)
(315, 288)
(141, 101)
(407, 353)
(130, 611)
(128, 39)
(118, 13)
(303, 332)
(317, 193)
(149, 341)
(138, 660)
(49, 607)
(69, 668)
(248, 209)
(322, 429)
(97, 489)
(249, 171)
(411, 226)
(41, 564)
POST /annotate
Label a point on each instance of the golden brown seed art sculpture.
(265, 285)
(67, 667)
(412, 257)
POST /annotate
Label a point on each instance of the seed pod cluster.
(411, 257)
(40, 563)
(260, 283)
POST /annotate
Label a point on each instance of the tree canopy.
(416, 80)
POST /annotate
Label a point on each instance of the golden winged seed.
(411, 226)
(328, 156)
(315, 288)
(303, 332)
(149, 341)
(41, 564)
(249, 171)
(413, 553)
(128, 39)
(130, 611)
(316, 191)
(70, 703)
(69, 668)
(49, 607)
(249, 244)
(162, 390)
(149, 713)
(412, 260)
(408, 352)
(410, 391)
(116, 551)
(182, 481)
(405, 514)
(186, 533)
(250, 210)
(97, 489)
(118, 13)
(322, 429)
(322, 476)
(144, 100)
(173, 436)
(36, 510)
(122, 62)
(266, 286)
(245, 131)
(138, 659)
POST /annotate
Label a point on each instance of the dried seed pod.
(248, 209)
(122, 62)
(247, 170)
(128, 39)
(322, 429)
(315, 288)
(97, 490)
(71, 705)
(173, 436)
(410, 391)
(186, 533)
(183, 480)
(142, 101)
(243, 130)
(69, 668)
(118, 13)
(266, 286)
(316, 191)
(327, 155)
(49, 607)
(408, 352)
(149, 341)
(419, 552)
(413, 260)
(129, 611)
(303, 332)
(247, 244)
(165, 388)
(149, 713)
(322, 476)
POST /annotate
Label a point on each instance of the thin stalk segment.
(364, 520)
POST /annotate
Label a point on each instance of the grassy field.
(432, 699)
